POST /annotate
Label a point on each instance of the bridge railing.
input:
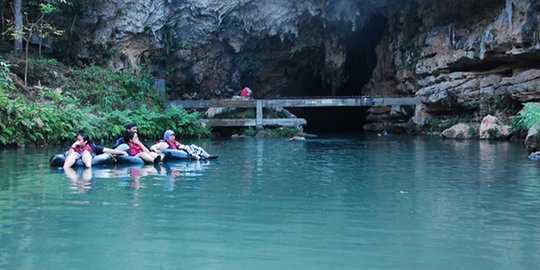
(296, 102)
(259, 104)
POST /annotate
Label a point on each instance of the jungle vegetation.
(46, 97)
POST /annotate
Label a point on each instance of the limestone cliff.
(213, 47)
(463, 58)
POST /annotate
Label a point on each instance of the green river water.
(355, 202)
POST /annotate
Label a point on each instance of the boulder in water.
(532, 141)
(458, 131)
(492, 128)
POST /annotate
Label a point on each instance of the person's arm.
(159, 146)
(118, 142)
(72, 148)
(114, 152)
(179, 145)
(143, 147)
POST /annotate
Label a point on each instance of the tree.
(40, 28)
(18, 32)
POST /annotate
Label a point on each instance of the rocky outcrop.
(458, 131)
(395, 119)
(492, 128)
(460, 62)
(532, 141)
(213, 48)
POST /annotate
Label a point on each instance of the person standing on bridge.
(246, 93)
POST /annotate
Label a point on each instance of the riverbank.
(58, 101)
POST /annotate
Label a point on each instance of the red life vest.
(246, 92)
(80, 149)
(173, 144)
(134, 149)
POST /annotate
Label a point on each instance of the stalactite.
(509, 11)
(452, 35)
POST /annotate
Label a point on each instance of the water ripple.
(346, 203)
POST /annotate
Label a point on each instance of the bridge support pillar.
(259, 119)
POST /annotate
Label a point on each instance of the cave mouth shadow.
(362, 57)
(333, 119)
(358, 67)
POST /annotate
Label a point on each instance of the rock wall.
(215, 47)
(463, 58)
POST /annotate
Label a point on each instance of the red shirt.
(246, 92)
(80, 149)
(134, 149)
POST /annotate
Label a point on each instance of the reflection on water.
(80, 182)
(393, 202)
(82, 178)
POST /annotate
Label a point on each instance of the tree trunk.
(3, 4)
(17, 10)
(26, 59)
(40, 35)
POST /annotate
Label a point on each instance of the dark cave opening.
(333, 119)
(361, 56)
(359, 65)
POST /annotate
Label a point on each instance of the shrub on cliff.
(97, 86)
(528, 116)
(6, 84)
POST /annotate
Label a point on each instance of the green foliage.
(24, 122)
(46, 8)
(93, 100)
(501, 103)
(310, 40)
(279, 132)
(438, 125)
(6, 84)
(493, 132)
(111, 91)
(237, 114)
(152, 124)
(473, 131)
(250, 113)
(286, 132)
(271, 113)
(528, 116)
(46, 61)
(250, 131)
(251, 59)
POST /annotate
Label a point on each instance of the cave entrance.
(360, 62)
(333, 119)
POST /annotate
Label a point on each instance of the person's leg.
(71, 173)
(87, 159)
(146, 157)
(70, 159)
(156, 157)
(87, 174)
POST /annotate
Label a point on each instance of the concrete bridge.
(259, 104)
